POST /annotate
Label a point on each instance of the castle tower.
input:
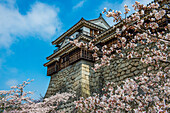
(70, 67)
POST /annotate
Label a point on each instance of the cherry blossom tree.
(17, 100)
(13, 98)
(149, 92)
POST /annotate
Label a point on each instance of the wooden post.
(86, 53)
(81, 52)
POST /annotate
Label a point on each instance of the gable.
(100, 22)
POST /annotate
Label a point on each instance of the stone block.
(123, 72)
(78, 77)
(130, 75)
(129, 66)
(128, 71)
(115, 65)
(122, 65)
(127, 63)
(117, 61)
(136, 63)
(140, 67)
(136, 72)
(133, 69)
(114, 72)
(119, 65)
(108, 71)
(106, 75)
(125, 68)
(111, 66)
(119, 70)
(118, 74)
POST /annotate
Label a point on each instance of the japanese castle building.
(70, 67)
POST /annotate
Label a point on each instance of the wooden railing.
(86, 54)
(69, 59)
(74, 56)
(52, 69)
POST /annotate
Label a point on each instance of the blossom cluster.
(17, 100)
(140, 94)
(148, 34)
(150, 91)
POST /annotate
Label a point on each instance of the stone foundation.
(73, 78)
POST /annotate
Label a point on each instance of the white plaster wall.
(100, 23)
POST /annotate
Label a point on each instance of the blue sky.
(27, 28)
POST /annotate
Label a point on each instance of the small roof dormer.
(100, 21)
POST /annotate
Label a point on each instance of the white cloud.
(8, 70)
(80, 4)
(41, 21)
(13, 70)
(12, 82)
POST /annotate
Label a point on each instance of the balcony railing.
(69, 59)
(52, 69)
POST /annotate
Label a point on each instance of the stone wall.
(81, 78)
(118, 70)
(73, 78)
(122, 68)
